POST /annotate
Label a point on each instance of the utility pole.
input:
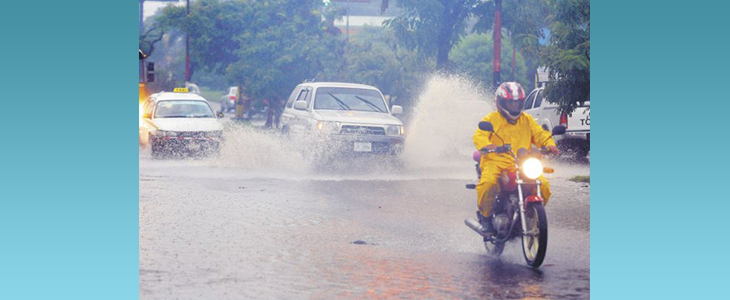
(141, 17)
(497, 40)
(187, 46)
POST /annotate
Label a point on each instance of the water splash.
(444, 121)
(255, 149)
(438, 143)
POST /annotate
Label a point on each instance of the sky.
(151, 7)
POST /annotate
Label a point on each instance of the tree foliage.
(375, 57)
(522, 20)
(568, 55)
(433, 27)
(270, 46)
(469, 57)
(212, 27)
(274, 59)
(267, 46)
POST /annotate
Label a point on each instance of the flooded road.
(259, 222)
(208, 232)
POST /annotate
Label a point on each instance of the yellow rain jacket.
(523, 134)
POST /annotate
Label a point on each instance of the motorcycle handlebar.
(508, 149)
(500, 149)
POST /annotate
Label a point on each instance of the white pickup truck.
(577, 137)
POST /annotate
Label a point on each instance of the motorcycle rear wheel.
(534, 243)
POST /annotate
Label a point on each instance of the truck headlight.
(532, 167)
(324, 126)
(394, 130)
(165, 133)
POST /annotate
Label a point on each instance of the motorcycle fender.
(532, 198)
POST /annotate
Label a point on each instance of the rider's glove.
(554, 150)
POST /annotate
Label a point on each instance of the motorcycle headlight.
(532, 167)
(324, 126)
(394, 130)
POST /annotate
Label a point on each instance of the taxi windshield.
(349, 99)
(183, 109)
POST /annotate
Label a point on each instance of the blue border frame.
(69, 191)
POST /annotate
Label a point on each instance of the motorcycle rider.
(516, 128)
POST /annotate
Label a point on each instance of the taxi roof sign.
(180, 90)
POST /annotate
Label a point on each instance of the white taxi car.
(355, 117)
(179, 122)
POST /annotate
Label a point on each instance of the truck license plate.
(193, 146)
(363, 147)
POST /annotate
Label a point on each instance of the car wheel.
(155, 149)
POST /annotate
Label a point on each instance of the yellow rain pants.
(523, 134)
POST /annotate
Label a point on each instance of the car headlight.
(165, 133)
(394, 130)
(324, 126)
(532, 167)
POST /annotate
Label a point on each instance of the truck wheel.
(582, 150)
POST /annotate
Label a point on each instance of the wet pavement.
(261, 221)
(210, 231)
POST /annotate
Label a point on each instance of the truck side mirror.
(396, 110)
(300, 105)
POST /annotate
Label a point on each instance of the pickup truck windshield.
(183, 109)
(349, 99)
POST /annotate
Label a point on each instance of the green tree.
(522, 23)
(469, 57)
(285, 43)
(213, 26)
(375, 57)
(568, 56)
(433, 27)
(265, 47)
(151, 36)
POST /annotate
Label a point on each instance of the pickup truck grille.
(371, 130)
(197, 134)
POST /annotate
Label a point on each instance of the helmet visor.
(513, 107)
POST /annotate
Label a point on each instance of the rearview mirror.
(396, 110)
(219, 115)
(558, 130)
(300, 105)
(486, 126)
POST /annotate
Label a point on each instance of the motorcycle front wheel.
(534, 242)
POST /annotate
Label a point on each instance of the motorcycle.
(518, 209)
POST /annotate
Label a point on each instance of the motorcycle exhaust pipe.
(474, 225)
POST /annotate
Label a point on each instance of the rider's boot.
(487, 226)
